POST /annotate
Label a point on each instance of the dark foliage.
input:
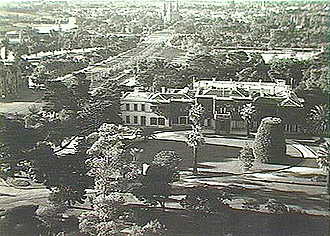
(156, 185)
(269, 145)
(206, 200)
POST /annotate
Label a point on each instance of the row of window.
(291, 128)
(143, 119)
(135, 107)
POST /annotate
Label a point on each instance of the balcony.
(222, 116)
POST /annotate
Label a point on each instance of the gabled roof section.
(138, 96)
(292, 100)
(167, 97)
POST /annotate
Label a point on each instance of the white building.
(137, 109)
(142, 108)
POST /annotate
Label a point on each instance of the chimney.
(262, 92)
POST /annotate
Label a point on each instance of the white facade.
(137, 109)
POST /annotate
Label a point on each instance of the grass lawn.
(206, 153)
(241, 223)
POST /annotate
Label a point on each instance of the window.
(291, 128)
(135, 119)
(135, 107)
(183, 120)
(222, 110)
(153, 121)
(143, 120)
(127, 107)
(143, 107)
(161, 121)
(209, 124)
(127, 120)
(153, 108)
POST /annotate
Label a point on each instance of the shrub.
(167, 159)
(206, 200)
(269, 145)
(246, 156)
(156, 185)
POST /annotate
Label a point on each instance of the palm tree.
(247, 113)
(323, 159)
(318, 119)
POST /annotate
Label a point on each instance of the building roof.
(249, 91)
(137, 96)
(159, 97)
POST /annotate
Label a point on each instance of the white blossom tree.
(247, 113)
(195, 137)
(114, 173)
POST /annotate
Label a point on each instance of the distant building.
(59, 27)
(222, 102)
(170, 11)
(14, 37)
(161, 109)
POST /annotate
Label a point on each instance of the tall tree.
(113, 173)
(319, 119)
(41, 140)
(247, 113)
(161, 173)
(323, 159)
(195, 137)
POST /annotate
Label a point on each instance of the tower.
(163, 13)
(169, 12)
(176, 6)
(263, 4)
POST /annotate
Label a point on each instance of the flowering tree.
(247, 113)
(323, 160)
(195, 138)
(247, 157)
(114, 173)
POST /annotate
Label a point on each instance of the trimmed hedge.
(269, 145)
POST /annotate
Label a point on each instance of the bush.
(156, 185)
(247, 157)
(206, 200)
(167, 159)
(21, 182)
(269, 145)
(21, 221)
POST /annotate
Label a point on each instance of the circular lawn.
(206, 153)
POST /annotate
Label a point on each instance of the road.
(20, 108)
(146, 49)
(11, 197)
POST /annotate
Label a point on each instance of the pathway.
(21, 108)
(11, 196)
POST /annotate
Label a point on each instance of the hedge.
(269, 145)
